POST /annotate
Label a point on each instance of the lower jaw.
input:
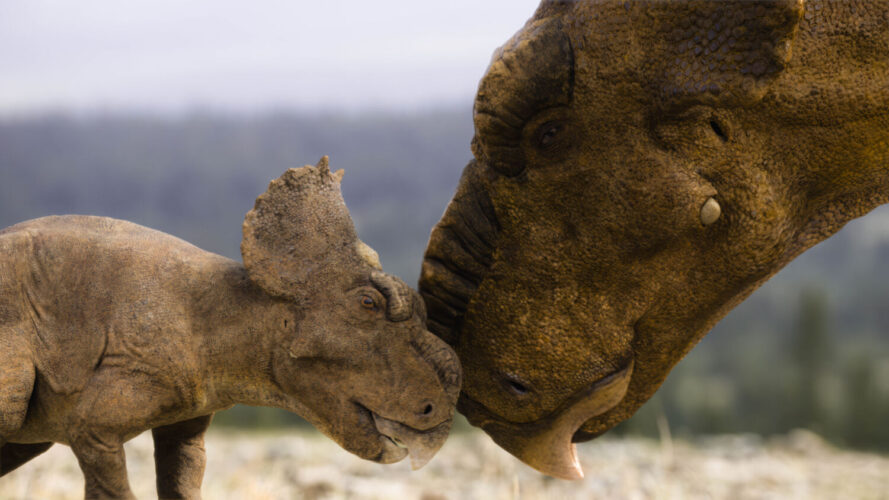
(391, 452)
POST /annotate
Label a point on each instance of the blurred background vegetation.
(810, 349)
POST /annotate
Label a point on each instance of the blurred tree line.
(817, 374)
(809, 349)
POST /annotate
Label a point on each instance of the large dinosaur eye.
(548, 133)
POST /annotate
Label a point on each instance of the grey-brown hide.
(109, 329)
(640, 168)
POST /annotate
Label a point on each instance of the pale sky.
(172, 55)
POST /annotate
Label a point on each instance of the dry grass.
(303, 465)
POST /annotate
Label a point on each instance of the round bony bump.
(710, 212)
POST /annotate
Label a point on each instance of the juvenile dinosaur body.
(109, 329)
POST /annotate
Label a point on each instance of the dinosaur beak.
(546, 444)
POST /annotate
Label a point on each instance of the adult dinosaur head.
(640, 168)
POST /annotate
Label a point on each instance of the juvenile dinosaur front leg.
(101, 458)
(119, 402)
(16, 383)
(179, 458)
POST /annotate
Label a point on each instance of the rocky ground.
(286, 465)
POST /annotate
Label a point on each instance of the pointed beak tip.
(574, 474)
(560, 466)
(570, 473)
(418, 463)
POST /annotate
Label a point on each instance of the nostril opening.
(514, 386)
(517, 388)
(427, 410)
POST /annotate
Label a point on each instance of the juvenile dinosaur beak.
(421, 445)
(546, 444)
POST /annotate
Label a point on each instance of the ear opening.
(299, 233)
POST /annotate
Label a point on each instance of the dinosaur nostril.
(514, 386)
(427, 410)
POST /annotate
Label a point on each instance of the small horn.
(324, 164)
(368, 254)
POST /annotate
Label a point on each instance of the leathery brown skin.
(109, 329)
(640, 168)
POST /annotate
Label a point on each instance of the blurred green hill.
(809, 349)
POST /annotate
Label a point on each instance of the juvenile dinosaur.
(109, 329)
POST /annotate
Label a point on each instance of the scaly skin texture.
(578, 240)
(109, 329)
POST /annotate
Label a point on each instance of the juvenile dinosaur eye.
(367, 302)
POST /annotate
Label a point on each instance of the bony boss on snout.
(710, 212)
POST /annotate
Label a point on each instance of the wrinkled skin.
(109, 329)
(640, 168)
